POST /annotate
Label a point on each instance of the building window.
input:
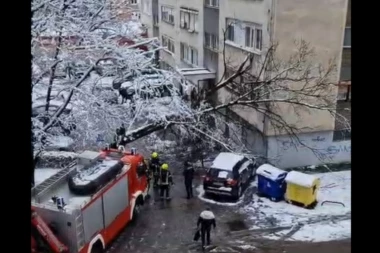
(189, 19)
(211, 41)
(231, 32)
(146, 6)
(167, 14)
(245, 34)
(212, 3)
(347, 37)
(168, 43)
(189, 54)
(345, 68)
(133, 1)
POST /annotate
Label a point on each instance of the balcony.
(212, 4)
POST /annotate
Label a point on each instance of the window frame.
(244, 34)
(187, 54)
(170, 43)
(170, 13)
(192, 22)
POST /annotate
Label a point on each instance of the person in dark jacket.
(188, 175)
(165, 181)
(154, 167)
(205, 221)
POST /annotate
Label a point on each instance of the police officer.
(188, 175)
(154, 167)
(205, 221)
(165, 181)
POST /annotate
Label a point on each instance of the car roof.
(226, 161)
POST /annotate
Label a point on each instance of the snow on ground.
(201, 196)
(41, 174)
(327, 222)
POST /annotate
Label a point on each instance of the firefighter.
(205, 221)
(154, 167)
(165, 181)
(188, 175)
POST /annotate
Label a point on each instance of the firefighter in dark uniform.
(154, 167)
(188, 175)
(165, 181)
(205, 221)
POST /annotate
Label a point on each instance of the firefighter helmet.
(165, 166)
(154, 155)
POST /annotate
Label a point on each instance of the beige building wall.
(258, 12)
(179, 35)
(320, 23)
(146, 15)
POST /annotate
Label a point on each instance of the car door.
(244, 173)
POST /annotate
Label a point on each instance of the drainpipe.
(271, 40)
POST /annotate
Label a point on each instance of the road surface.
(169, 227)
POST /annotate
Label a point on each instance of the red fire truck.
(83, 207)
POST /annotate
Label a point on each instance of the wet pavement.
(169, 226)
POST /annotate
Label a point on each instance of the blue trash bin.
(271, 182)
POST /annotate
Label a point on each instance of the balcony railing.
(212, 3)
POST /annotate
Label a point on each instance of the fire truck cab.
(83, 207)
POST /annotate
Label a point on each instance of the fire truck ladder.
(80, 229)
(52, 180)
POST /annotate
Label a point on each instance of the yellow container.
(301, 188)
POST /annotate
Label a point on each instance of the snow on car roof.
(301, 179)
(226, 161)
(270, 172)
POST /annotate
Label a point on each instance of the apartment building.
(126, 9)
(195, 33)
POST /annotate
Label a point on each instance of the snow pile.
(269, 171)
(301, 179)
(41, 174)
(56, 159)
(201, 196)
(85, 177)
(226, 161)
(327, 222)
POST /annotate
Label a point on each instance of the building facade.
(199, 33)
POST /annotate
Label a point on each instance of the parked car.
(230, 174)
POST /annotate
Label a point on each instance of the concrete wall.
(194, 40)
(285, 153)
(320, 23)
(147, 18)
(258, 12)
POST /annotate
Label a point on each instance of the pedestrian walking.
(205, 221)
(188, 175)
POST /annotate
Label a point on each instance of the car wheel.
(238, 192)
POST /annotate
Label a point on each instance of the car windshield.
(218, 173)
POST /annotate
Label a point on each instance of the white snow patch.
(226, 161)
(335, 186)
(299, 178)
(41, 174)
(319, 232)
(246, 247)
(59, 154)
(60, 142)
(201, 196)
(270, 172)
(86, 176)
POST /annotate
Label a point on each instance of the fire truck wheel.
(136, 211)
(97, 247)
